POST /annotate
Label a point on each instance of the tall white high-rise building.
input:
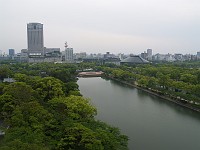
(35, 39)
(69, 56)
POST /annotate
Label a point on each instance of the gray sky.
(118, 26)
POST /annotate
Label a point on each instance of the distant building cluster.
(174, 57)
(37, 52)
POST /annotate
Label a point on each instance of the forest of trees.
(44, 110)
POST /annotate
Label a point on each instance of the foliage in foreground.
(44, 110)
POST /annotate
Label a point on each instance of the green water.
(151, 123)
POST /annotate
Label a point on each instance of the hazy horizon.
(98, 26)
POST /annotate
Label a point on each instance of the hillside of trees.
(44, 110)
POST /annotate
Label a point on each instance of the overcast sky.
(97, 26)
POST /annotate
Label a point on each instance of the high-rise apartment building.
(35, 39)
(11, 52)
(69, 55)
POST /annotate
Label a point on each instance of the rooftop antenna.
(66, 45)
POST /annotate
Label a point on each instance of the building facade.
(198, 55)
(144, 55)
(11, 52)
(134, 59)
(69, 55)
(149, 54)
(35, 39)
(50, 50)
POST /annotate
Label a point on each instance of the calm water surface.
(150, 122)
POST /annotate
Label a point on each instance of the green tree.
(152, 82)
(198, 77)
(75, 107)
(17, 144)
(5, 72)
(109, 136)
(15, 94)
(189, 78)
(78, 137)
(143, 81)
(20, 91)
(50, 87)
(163, 80)
(175, 74)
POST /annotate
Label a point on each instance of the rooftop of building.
(135, 59)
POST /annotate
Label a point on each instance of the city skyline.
(99, 26)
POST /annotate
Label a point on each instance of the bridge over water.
(90, 74)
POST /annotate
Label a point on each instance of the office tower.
(35, 39)
(11, 52)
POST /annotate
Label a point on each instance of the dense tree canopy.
(44, 110)
(5, 72)
(176, 80)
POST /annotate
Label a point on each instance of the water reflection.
(160, 101)
(150, 122)
(147, 96)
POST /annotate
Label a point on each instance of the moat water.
(151, 123)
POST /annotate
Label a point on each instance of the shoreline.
(178, 102)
